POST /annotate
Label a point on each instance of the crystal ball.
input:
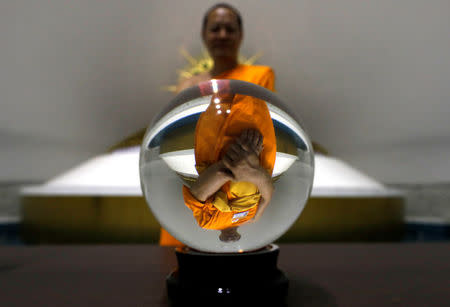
(225, 167)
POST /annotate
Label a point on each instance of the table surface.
(377, 274)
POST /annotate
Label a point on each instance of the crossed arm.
(240, 163)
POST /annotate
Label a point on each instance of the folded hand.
(242, 157)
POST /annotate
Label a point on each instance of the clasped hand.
(242, 157)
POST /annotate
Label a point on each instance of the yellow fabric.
(257, 74)
(166, 239)
(215, 131)
(208, 217)
(244, 195)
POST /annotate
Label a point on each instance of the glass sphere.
(225, 167)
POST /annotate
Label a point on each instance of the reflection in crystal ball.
(225, 167)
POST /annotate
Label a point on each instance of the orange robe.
(215, 133)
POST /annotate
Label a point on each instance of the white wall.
(371, 79)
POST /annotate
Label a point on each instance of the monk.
(222, 34)
(243, 159)
(234, 186)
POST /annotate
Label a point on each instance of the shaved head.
(225, 6)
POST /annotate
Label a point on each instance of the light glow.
(117, 173)
(214, 86)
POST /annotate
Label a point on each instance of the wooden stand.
(209, 279)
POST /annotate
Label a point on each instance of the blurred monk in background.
(222, 33)
(234, 154)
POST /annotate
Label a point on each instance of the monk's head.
(222, 31)
(229, 235)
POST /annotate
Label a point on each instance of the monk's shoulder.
(259, 69)
(261, 75)
(191, 81)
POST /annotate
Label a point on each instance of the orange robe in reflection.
(215, 133)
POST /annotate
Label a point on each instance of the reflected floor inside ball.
(164, 189)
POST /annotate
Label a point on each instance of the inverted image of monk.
(235, 152)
